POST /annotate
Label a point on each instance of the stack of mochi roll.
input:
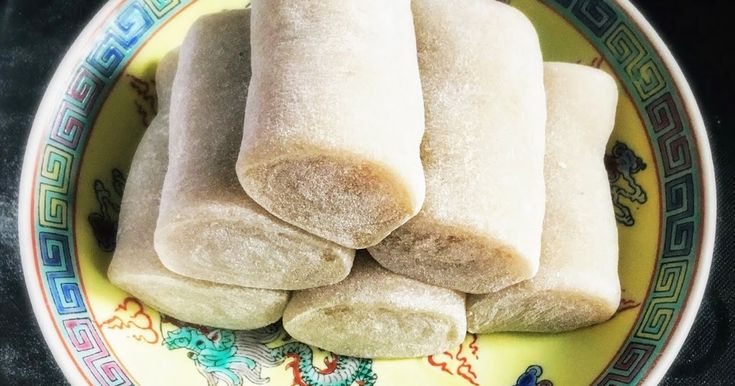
(400, 171)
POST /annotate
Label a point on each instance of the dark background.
(35, 34)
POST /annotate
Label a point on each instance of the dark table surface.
(35, 34)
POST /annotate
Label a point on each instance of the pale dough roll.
(375, 313)
(208, 227)
(480, 226)
(334, 117)
(577, 284)
(135, 267)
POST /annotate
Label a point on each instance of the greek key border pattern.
(641, 70)
(61, 154)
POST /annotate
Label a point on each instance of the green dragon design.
(230, 357)
(222, 355)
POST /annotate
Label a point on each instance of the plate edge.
(31, 156)
(704, 259)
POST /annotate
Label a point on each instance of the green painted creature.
(229, 357)
(221, 355)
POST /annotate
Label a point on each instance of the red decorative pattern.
(146, 102)
(294, 366)
(458, 363)
(627, 304)
(130, 315)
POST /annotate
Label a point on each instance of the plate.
(101, 99)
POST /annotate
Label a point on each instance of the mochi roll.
(480, 226)
(135, 267)
(208, 227)
(577, 284)
(334, 117)
(375, 313)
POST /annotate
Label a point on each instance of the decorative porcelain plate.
(102, 98)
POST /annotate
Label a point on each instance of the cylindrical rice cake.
(208, 228)
(375, 313)
(135, 266)
(334, 117)
(482, 74)
(577, 284)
